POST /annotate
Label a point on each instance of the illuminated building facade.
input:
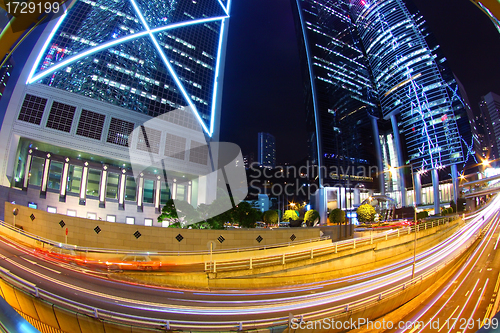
(110, 89)
(490, 111)
(367, 58)
(266, 150)
(342, 94)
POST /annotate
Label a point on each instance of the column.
(45, 177)
(454, 179)
(378, 152)
(418, 188)
(399, 152)
(435, 186)
(27, 168)
(189, 190)
(343, 198)
(357, 196)
(174, 189)
(321, 204)
(83, 187)
(202, 189)
(157, 194)
(140, 192)
(102, 186)
(121, 190)
(64, 180)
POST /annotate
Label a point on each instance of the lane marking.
(37, 264)
(487, 315)
(465, 305)
(477, 303)
(496, 244)
(448, 320)
(414, 328)
(483, 244)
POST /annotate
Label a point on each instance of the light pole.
(392, 170)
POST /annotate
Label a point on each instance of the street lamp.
(392, 170)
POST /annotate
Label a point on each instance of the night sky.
(262, 84)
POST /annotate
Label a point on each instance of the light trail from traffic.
(268, 307)
(466, 268)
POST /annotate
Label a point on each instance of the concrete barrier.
(121, 236)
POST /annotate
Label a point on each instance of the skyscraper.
(110, 89)
(341, 92)
(490, 110)
(411, 89)
(266, 150)
(370, 60)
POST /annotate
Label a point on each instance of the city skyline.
(279, 92)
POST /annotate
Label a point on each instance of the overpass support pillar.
(435, 186)
(399, 152)
(454, 180)
(418, 188)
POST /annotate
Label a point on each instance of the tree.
(337, 216)
(270, 217)
(245, 215)
(290, 215)
(211, 214)
(179, 214)
(366, 213)
(311, 216)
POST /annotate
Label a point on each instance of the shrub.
(290, 215)
(366, 213)
(311, 216)
(422, 215)
(337, 216)
(453, 206)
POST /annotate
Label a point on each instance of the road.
(467, 300)
(224, 309)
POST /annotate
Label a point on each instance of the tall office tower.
(343, 110)
(110, 89)
(411, 89)
(266, 150)
(490, 110)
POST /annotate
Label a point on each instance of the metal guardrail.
(13, 322)
(155, 323)
(87, 250)
(282, 259)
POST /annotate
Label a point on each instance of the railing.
(214, 266)
(115, 317)
(482, 188)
